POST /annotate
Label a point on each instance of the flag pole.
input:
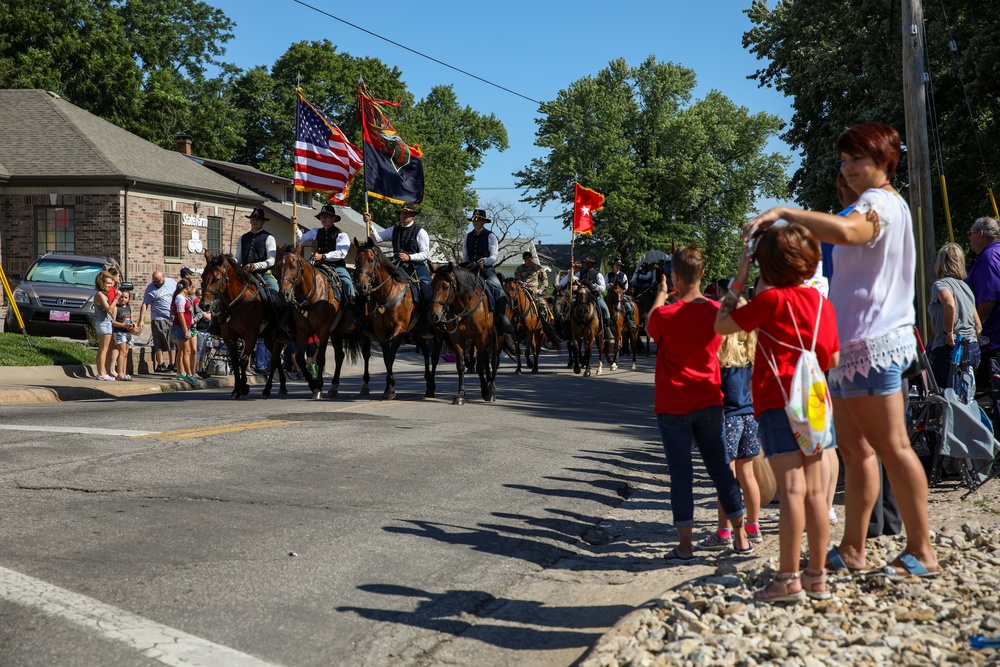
(298, 89)
(364, 148)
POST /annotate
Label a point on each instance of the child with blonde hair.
(742, 443)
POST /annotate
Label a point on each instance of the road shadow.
(565, 627)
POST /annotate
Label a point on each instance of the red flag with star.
(585, 202)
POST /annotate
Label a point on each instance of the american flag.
(324, 159)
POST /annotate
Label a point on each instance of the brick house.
(72, 181)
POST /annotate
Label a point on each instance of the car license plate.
(59, 316)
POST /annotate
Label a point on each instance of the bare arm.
(662, 291)
(855, 229)
(984, 308)
(947, 301)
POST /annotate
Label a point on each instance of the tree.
(671, 170)
(840, 62)
(139, 65)
(453, 138)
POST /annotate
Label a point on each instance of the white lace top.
(872, 291)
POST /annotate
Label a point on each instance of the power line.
(422, 55)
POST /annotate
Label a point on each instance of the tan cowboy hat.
(410, 208)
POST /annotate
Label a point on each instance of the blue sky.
(534, 48)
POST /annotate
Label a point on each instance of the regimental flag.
(324, 159)
(394, 171)
(585, 202)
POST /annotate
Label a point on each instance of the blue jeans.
(345, 280)
(262, 358)
(706, 428)
(424, 276)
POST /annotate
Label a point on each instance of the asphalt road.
(346, 531)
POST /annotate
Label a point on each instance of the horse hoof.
(612, 367)
(265, 394)
(632, 367)
(245, 390)
(586, 373)
(517, 371)
(317, 395)
(459, 400)
(331, 393)
(534, 369)
(365, 390)
(388, 395)
(577, 370)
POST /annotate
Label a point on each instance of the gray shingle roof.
(43, 136)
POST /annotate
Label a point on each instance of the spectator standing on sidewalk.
(184, 331)
(158, 298)
(687, 399)
(122, 330)
(105, 310)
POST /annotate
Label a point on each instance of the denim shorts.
(103, 327)
(178, 332)
(878, 383)
(776, 434)
(122, 337)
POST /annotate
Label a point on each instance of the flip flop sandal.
(911, 568)
(834, 563)
(674, 558)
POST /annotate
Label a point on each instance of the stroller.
(216, 357)
(948, 429)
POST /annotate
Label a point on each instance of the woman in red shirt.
(785, 313)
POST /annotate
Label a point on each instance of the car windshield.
(63, 271)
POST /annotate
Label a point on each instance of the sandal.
(834, 563)
(814, 584)
(777, 590)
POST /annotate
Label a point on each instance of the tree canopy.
(841, 64)
(672, 170)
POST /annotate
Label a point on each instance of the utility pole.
(917, 154)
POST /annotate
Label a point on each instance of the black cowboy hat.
(410, 208)
(617, 261)
(479, 214)
(329, 210)
(260, 212)
(589, 258)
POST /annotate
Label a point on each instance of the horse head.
(616, 294)
(443, 291)
(214, 279)
(365, 265)
(291, 267)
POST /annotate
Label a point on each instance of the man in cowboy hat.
(411, 246)
(598, 287)
(480, 250)
(332, 246)
(617, 277)
(257, 249)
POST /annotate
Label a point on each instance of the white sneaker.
(833, 517)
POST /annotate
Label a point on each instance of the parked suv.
(56, 295)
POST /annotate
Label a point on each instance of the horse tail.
(352, 345)
(550, 333)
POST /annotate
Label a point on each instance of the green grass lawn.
(14, 351)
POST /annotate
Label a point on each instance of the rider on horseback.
(411, 246)
(332, 246)
(618, 277)
(480, 251)
(256, 251)
(595, 279)
(534, 278)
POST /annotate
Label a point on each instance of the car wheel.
(10, 323)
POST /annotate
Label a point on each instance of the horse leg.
(338, 357)
(366, 354)
(536, 350)
(460, 367)
(577, 355)
(435, 355)
(316, 385)
(389, 357)
(244, 384)
(517, 351)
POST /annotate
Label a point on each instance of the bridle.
(220, 308)
(289, 296)
(446, 305)
(370, 274)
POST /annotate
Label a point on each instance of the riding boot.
(608, 336)
(629, 321)
(348, 320)
(503, 324)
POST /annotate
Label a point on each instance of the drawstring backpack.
(807, 402)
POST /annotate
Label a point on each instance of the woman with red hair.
(872, 291)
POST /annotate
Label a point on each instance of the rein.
(309, 299)
(382, 307)
(469, 309)
(220, 308)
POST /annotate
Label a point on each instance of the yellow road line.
(183, 434)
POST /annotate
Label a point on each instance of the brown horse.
(526, 316)
(318, 309)
(241, 312)
(615, 300)
(392, 312)
(561, 304)
(585, 328)
(460, 309)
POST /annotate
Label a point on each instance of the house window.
(214, 236)
(172, 234)
(55, 229)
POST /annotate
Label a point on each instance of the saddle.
(333, 278)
